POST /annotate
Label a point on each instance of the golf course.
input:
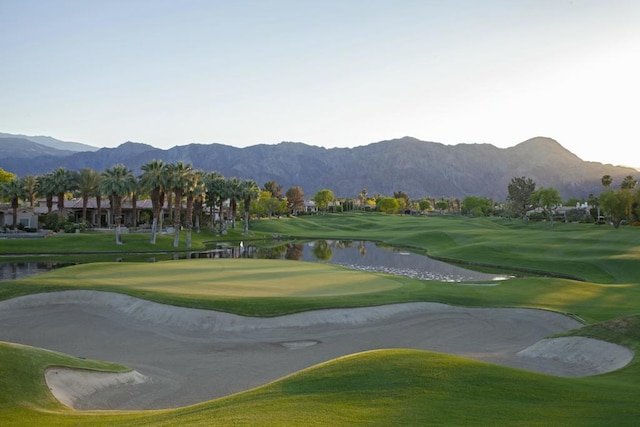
(278, 342)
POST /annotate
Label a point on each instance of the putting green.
(226, 278)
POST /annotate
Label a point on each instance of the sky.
(330, 73)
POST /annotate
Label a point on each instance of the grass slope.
(384, 387)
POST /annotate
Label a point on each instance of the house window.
(25, 222)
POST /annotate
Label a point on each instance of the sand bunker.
(73, 386)
(183, 356)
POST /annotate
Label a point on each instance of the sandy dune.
(183, 356)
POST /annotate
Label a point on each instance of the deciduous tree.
(548, 199)
(520, 191)
(295, 199)
(322, 199)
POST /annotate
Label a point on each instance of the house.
(26, 218)
(102, 218)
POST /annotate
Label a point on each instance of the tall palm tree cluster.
(175, 185)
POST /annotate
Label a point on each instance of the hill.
(48, 141)
(419, 168)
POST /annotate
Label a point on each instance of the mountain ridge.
(418, 168)
(51, 142)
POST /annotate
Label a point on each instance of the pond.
(369, 256)
(359, 255)
(17, 270)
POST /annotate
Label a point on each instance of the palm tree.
(606, 181)
(178, 177)
(133, 194)
(117, 182)
(45, 187)
(30, 183)
(193, 190)
(14, 191)
(234, 187)
(249, 191)
(88, 185)
(63, 181)
(153, 181)
(216, 193)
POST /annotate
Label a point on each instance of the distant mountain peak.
(48, 141)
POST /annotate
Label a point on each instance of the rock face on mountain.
(418, 168)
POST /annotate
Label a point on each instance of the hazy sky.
(330, 73)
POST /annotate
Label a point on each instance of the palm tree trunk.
(61, 205)
(99, 206)
(176, 219)
(188, 219)
(134, 206)
(85, 200)
(15, 216)
(154, 225)
(170, 204)
(246, 221)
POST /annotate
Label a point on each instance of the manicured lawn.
(387, 387)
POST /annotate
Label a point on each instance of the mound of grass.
(383, 387)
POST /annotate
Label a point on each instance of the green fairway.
(387, 387)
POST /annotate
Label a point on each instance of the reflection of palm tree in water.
(361, 248)
(322, 251)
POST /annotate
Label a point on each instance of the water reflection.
(18, 270)
(368, 256)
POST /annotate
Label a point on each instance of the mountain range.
(418, 168)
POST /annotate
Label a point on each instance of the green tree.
(388, 205)
(30, 183)
(6, 176)
(606, 180)
(476, 206)
(628, 183)
(154, 182)
(403, 199)
(548, 199)
(63, 181)
(520, 191)
(117, 182)
(178, 178)
(216, 194)
(45, 187)
(88, 185)
(273, 188)
(295, 199)
(234, 193)
(194, 188)
(425, 205)
(617, 204)
(322, 199)
(13, 191)
(249, 191)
